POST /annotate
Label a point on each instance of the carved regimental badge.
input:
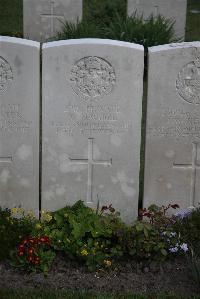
(188, 81)
(6, 75)
(92, 77)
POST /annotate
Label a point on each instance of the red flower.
(32, 240)
(44, 239)
(30, 258)
(21, 247)
(20, 253)
(25, 242)
(30, 251)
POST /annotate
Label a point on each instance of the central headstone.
(44, 18)
(172, 9)
(92, 92)
(172, 171)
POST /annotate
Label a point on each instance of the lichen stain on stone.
(170, 154)
(124, 182)
(116, 140)
(24, 152)
(60, 190)
(5, 176)
(24, 182)
(48, 195)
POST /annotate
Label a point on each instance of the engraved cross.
(7, 159)
(91, 162)
(52, 16)
(193, 166)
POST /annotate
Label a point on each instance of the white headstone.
(172, 169)
(19, 123)
(92, 103)
(44, 18)
(173, 9)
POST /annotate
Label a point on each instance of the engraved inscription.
(92, 77)
(12, 120)
(194, 166)
(188, 82)
(176, 123)
(92, 118)
(91, 162)
(6, 75)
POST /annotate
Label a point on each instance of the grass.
(60, 294)
(193, 21)
(11, 15)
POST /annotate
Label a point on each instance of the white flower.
(184, 247)
(173, 234)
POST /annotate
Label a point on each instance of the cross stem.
(52, 16)
(90, 162)
(156, 10)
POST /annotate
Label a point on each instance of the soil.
(173, 276)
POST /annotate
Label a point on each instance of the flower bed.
(97, 245)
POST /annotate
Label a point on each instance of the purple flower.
(173, 249)
(184, 247)
(183, 213)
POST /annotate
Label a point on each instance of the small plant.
(144, 242)
(91, 236)
(15, 224)
(187, 224)
(34, 254)
(80, 29)
(149, 237)
(155, 31)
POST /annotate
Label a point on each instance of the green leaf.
(139, 227)
(146, 232)
(164, 252)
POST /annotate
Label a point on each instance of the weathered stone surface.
(92, 102)
(173, 125)
(175, 9)
(19, 123)
(44, 18)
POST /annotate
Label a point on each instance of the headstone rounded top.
(22, 41)
(174, 46)
(92, 41)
